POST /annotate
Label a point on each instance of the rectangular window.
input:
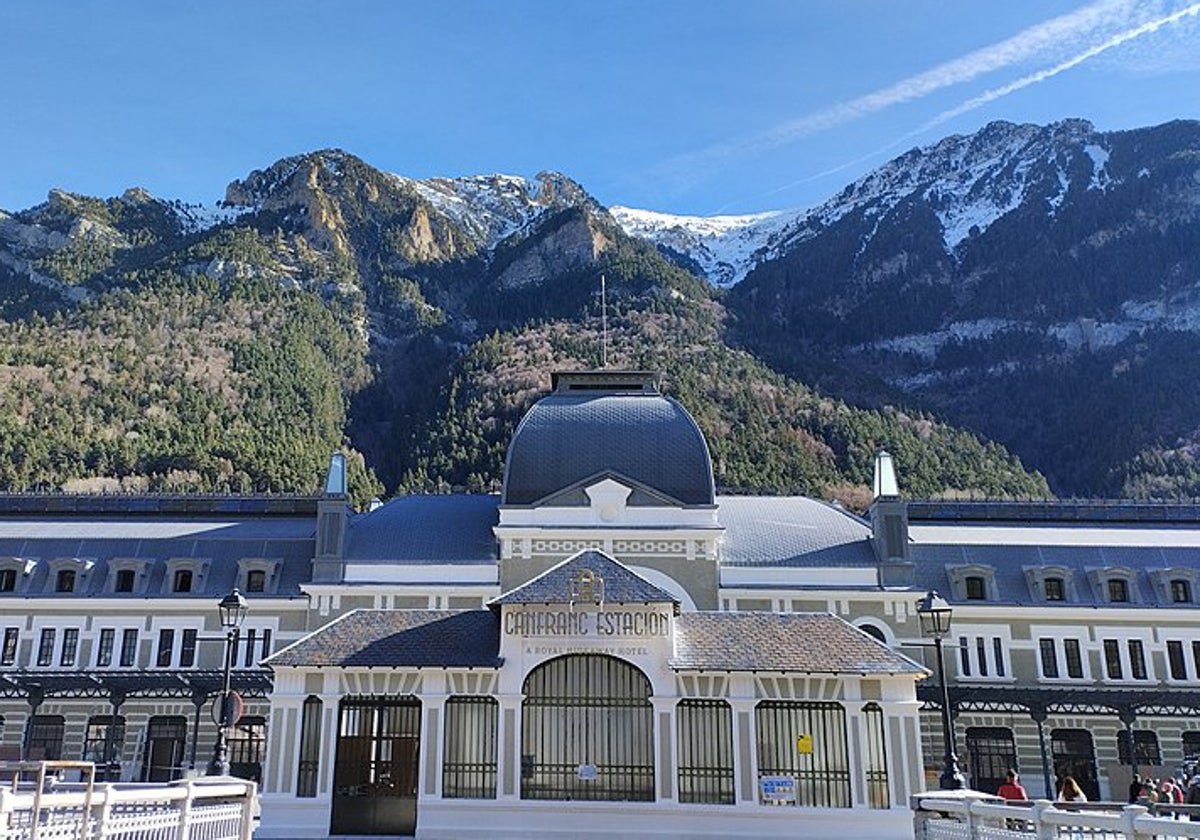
(469, 765)
(1055, 591)
(1118, 590)
(166, 647)
(9, 656)
(998, 650)
(129, 643)
(1112, 659)
(46, 647)
(981, 653)
(70, 647)
(1074, 658)
(187, 650)
(266, 643)
(309, 765)
(705, 732)
(1175, 661)
(248, 659)
(1137, 660)
(8, 580)
(964, 656)
(1049, 658)
(822, 777)
(1196, 659)
(104, 649)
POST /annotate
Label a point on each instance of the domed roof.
(598, 423)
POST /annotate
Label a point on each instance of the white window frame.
(177, 624)
(1122, 636)
(1060, 634)
(987, 632)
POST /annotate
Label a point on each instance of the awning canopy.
(120, 685)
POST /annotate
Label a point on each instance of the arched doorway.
(1075, 756)
(587, 731)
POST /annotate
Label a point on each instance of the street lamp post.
(934, 613)
(232, 609)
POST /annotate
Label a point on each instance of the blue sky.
(693, 107)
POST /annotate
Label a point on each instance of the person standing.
(1070, 791)
(1012, 788)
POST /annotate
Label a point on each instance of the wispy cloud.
(1068, 40)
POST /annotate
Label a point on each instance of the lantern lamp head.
(934, 613)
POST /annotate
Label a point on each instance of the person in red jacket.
(1012, 789)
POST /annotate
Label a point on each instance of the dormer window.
(1055, 589)
(256, 580)
(1118, 590)
(976, 589)
(8, 580)
(185, 574)
(1181, 591)
(183, 581)
(65, 581)
(123, 582)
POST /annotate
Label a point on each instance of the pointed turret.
(889, 525)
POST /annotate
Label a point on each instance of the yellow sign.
(804, 744)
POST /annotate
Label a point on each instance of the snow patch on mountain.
(197, 218)
(1099, 156)
(490, 207)
(725, 248)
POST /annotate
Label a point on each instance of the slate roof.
(791, 531)
(807, 643)
(553, 586)
(426, 529)
(567, 437)
(159, 536)
(399, 639)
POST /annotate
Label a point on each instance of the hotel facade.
(607, 644)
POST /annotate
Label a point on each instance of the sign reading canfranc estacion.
(604, 623)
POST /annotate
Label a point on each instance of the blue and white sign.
(778, 789)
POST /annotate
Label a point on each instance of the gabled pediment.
(588, 578)
(583, 493)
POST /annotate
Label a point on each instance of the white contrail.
(1041, 75)
(992, 95)
(1057, 34)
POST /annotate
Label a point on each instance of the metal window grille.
(469, 758)
(823, 774)
(166, 647)
(878, 795)
(1145, 745)
(378, 747)
(1112, 659)
(1074, 657)
(998, 651)
(1049, 658)
(991, 753)
(129, 643)
(96, 739)
(9, 654)
(310, 748)
(44, 740)
(1176, 663)
(104, 649)
(1137, 660)
(587, 731)
(705, 744)
(187, 649)
(247, 746)
(46, 646)
(70, 647)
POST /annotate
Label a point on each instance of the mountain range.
(992, 308)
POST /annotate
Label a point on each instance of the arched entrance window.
(1075, 756)
(587, 731)
(991, 753)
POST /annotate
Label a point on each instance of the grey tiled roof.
(425, 529)
(791, 531)
(568, 437)
(399, 638)
(813, 643)
(223, 541)
(621, 586)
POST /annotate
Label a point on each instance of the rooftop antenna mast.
(603, 321)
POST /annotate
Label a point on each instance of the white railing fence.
(197, 809)
(971, 816)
